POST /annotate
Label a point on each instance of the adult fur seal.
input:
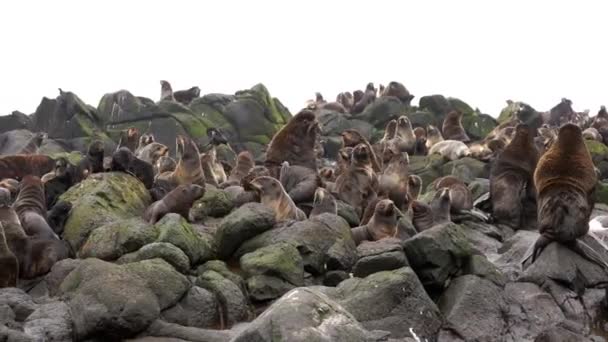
(299, 182)
(358, 185)
(346, 99)
(460, 194)
(511, 178)
(33, 144)
(368, 98)
(565, 184)
(274, 196)
(404, 135)
(63, 177)
(123, 160)
(18, 166)
(420, 146)
(426, 216)
(186, 96)
(394, 181)
(452, 127)
(244, 164)
(31, 208)
(58, 215)
(352, 138)
(152, 152)
(294, 143)
(188, 169)
(12, 185)
(179, 201)
(399, 91)
(9, 265)
(383, 223)
(93, 160)
(324, 202)
(166, 92)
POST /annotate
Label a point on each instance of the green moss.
(176, 230)
(460, 106)
(73, 157)
(281, 259)
(597, 150)
(601, 193)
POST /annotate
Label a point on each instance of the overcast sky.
(483, 52)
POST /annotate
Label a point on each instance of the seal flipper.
(534, 251)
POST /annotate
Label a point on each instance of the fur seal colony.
(342, 188)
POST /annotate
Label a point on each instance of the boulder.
(474, 307)
(50, 322)
(317, 318)
(479, 187)
(58, 272)
(243, 224)
(100, 199)
(265, 287)
(480, 266)
(382, 110)
(347, 212)
(334, 123)
(163, 250)
(18, 301)
(215, 203)
(169, 332)
(313, 238)
(598, 151)
(437, 254)
(11, 142)
(232, 300)
(478, 125)
(198, 308)
(115, 239)
(342, 255)
(280, 260)
(174, 229)
(467, 169)
(222, 268)
(14, 121)
(382, 255)
(393, 301)
(131, 297)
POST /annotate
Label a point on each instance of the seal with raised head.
(129, 138)
(32, 146)
(145, 140)
(152, 152)
(420, 146)
(433, 136)
(358, 185)
(394, 180)
(188, 169)
(324, 202)
(452, 127)
(352, 137)
(166, 92)
(20, 165)
(383, 223)
(426, 216)
(213, 170)
(123, 160)
(405, 135)
(186, 96)
(366, 99)
(565, 185)
(511, 179)
(274, 196)
(294, 143)
(31, 209)
(460, 194)
(244, 164)
(60, 180)
(346, 99)
(179, 201)
(249, 193)
(299, 182)
(12, 185)
(93, 160)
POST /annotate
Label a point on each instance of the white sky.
(483, 52)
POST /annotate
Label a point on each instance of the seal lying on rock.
(274, 196)
(179, 201)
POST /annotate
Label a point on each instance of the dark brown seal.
(31, 208)
(9, 265)
(366, 99)
(399, 91)
(63, 177)
(394, 180)
(179, 201)
(294, 143)
(129, 138)
(93, 161)
(188, 169)
(565, 183)
(511, 179)
(452, 127)
(358, 185)
(346, 99)
(274, 196)
(383, 223)
(186, 96)
(244, 164)
(18, 166)
(299, 182)
(426, 216)
(324, 202)
(249, 193)
(352, 138)
(420, 146)
(414, 187)
(123, 160)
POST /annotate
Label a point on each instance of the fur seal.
(152, 152)
(383, 223)
(129, 138)
(565, 184)
(179, 201)
(123, 160)
(324, 202)
(450, 149)
(399, 91)
(9, 265)
(32, 146)
(405, 136)
(299, 182)
(31, 209)
(58, 215)
(20, 165)
(12, 185)
(422, 216)
(358, 185)
(433, 137)
(461, 197)
(93, 161)
(186, 96)
(394, 180)
(166, 92)
(345, 156)
(452, 127)
(592, 134)
(61, 179)
(144, 140)
(420, 146)
(274, 196)
(352, 138)
(188, 169)
(165, 164)
(244, 164)
(213, 170)
(346, 99)
(249, 193)
(294, 143)
(426, 216)
(511, 178)
(414, 187)
(368, 98)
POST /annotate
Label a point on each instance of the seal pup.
(299, 182)
(32, 146)
(405, 136)
(358, 185)
(323, 202)
(460, 194)
(346, 99)
(244, 164)
(123, 160)
(186, 96)
(294, 143)
(452, 127)
(565, 182)
(31, 209)
(144, 140)
(246, 193)
(58, 215)
(166, 92)
(93, 160)
(188, 169)
(420, 145)
(59, 181)
(352, 138)
(9, 265)
(213, 170)
(383, 223)
(511, 178)
(273, 195)
(433, 136)
(450, 149)
(394, 180)
(179, 201)
(368, 98)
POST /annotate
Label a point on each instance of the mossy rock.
(176, 230)
(466, 169)
(100, 199)
(382, 110)
(221, 267)
(159, 250)
(601, 193)
(215, 203)
(422, 118)
(115, 239)
(229, 294)
(73, 158)
(280, 260)
(478, 126)
(598, 150)
(508, 112)
(264, 287)
(428, 168)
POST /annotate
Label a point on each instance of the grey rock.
(19, 301)
(169, 331)
(50, 322)
(382, 255)
(264, 287)
(281, 260)
(232, 301)
(163, 250)
(199, 308)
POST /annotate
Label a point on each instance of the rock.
(317, 318)
(168, 330)
(197, 309)
(58, 272)
(341, 255)
(334, 123)
(100, 199)
(313, 238)
(222, 268)
(131, 297)
(485, 237)
(467, 169)
(381, 111)
(601, 192)
(175, 230)
(563, 333)
(393, 301)
(115, 239)
(11, 142)
(512, 251)
(12, 335)
(19, 301)
(163, 250)
(598, 151)
(427, 168)
(478, 125)
(530, 311)
(50, 322)
(474, 307)
(231, 299)
(264, 287)
(437, 254)
(333, 278)
(382, 255)
(348, 213)
(7, 316)
(480, 266)
(479, 187)
(14, 121)
(215, 203)
(243, 224)
(281, 260)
